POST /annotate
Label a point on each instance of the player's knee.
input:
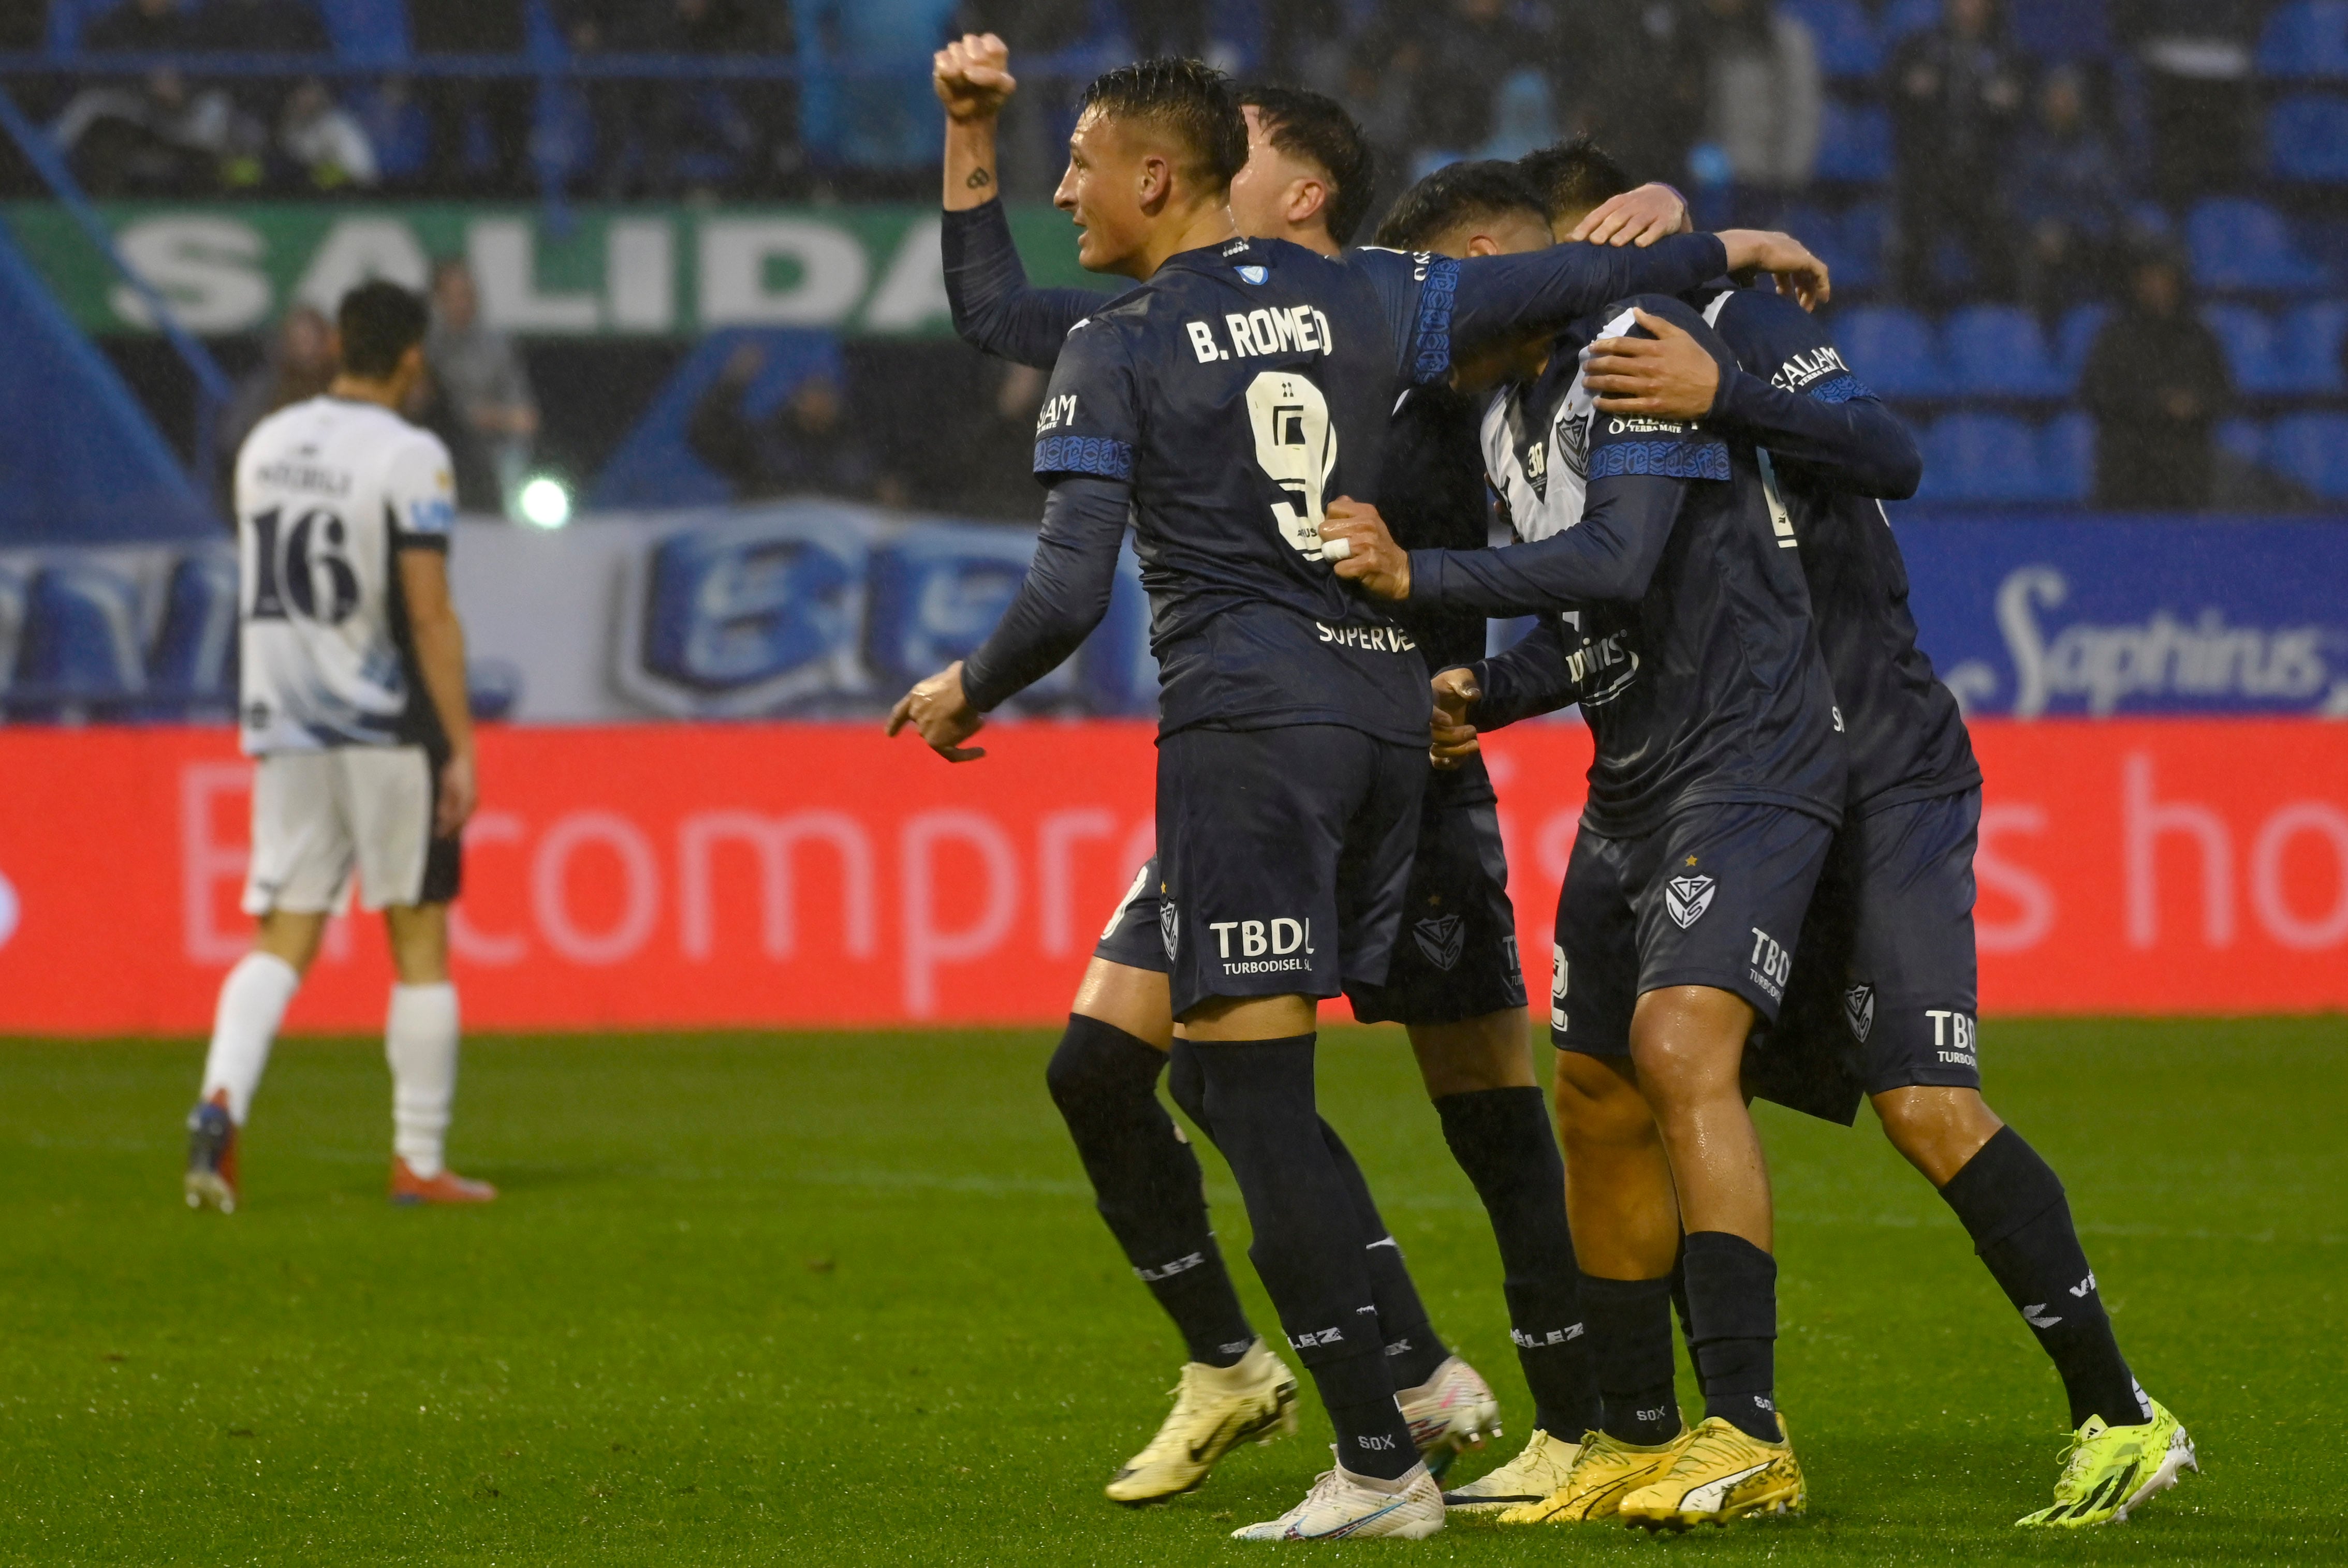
(1936, 1129)
(1597, 1105)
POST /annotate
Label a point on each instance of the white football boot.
(1527, 1478)
(1451, 1413)
(1345, 1506)
(1215, 1409)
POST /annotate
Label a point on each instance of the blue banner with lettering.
(829, 610)
(2026, 614)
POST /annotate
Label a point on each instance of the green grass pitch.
(822, 1299)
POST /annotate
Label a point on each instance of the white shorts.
(318, 815)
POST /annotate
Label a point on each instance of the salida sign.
(792, 875)
(872, 270)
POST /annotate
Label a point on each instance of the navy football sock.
(1680, 1308)
(1503, 1141)
(2012, 1204)
(1147, 1184)
(1732, 1288)
(1414, 1349)
(1410, 1337)
(1258, 1097)
(1631, 1354)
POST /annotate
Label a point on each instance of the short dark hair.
(1573, 175)
(1189, 98)
(1454, 194)
(379, 322)
(1316, 128)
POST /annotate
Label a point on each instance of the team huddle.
(1771, 893)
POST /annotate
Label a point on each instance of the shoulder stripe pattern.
(1661, 459)
(1841, 389)
(1437, 299)
(1095, 454)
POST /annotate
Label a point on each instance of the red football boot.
(447, 1187)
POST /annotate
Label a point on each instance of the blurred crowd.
(2052, 156)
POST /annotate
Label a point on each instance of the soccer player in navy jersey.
(1882, 998)
(1717, 783)
(1307, 179)
(1221, 405)
(1457, 982)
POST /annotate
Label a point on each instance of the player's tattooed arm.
(972, 76)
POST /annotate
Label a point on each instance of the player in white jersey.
(351, 704)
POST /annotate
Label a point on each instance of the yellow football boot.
(2107, 1470)
(1215, 1409)
(1532, 1475)
(1606, 1470)
(1722, 1474)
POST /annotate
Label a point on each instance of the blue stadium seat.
(2309, 340)
(1982, 458)
(2251, 351)
(1997, 351)
(192, 670)
(2076, 336)
(1905, 16)
(1890, 348)
(2066, 458)
(80, 644)
(2306, 41)
(2240, 246)
(374, 32)
(1847, 46)
(1855, 144)
(2061, 29)
(1864, 230)
(2243, 438)
(2313, 448)
(2307, 139)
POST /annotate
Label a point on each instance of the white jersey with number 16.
(327, 493)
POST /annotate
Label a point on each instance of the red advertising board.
(807, 874)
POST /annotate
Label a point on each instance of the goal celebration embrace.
(1042, 781)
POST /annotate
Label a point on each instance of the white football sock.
(252, 1002)
(419, 1040)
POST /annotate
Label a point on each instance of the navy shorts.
(1713, 897)
(1457, 958)
(1134, 938)
(1284, 854)
(1885, 994)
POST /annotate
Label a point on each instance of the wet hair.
(378, 324)
(1573, 175)
(1190, 100)
(1316, 128)
(1454, 194)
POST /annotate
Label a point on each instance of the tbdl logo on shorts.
(1859, 1007)
(1440, 940)
(1687, 897)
